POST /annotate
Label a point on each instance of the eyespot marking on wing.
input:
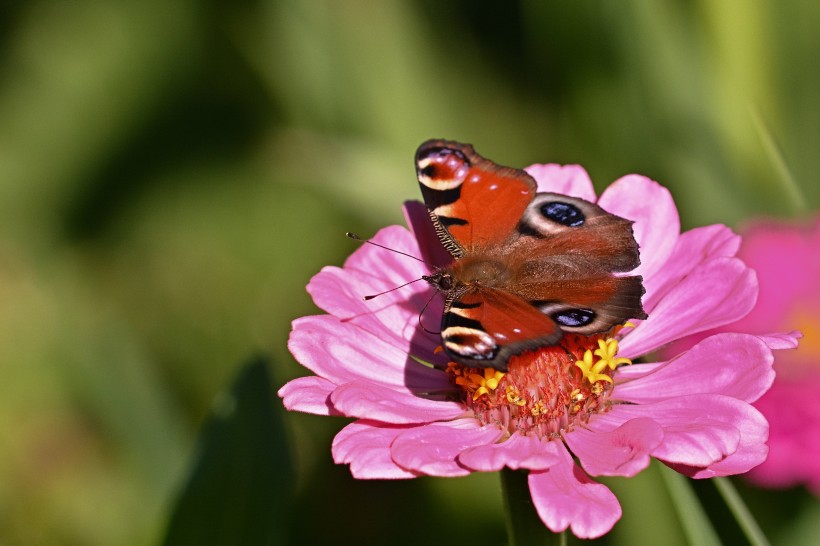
(564, 213)
(441, 168)
(574, 318)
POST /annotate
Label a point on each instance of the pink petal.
(737, 365)
(718, 293)
(570, 180)
(627, 373)
(623, 451)
(692, 249)
(434, 449)
(418, 218)
(699, 430)
(393, 317)
(366, 448)
(367, 400)
(794, 444)
(787, 263)
(342, 352)
(377, 262)
(781, 341)
(566, 497)
(515, 452)
(752, 450)
(653, 210)
(308, 394)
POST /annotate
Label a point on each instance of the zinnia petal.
(434, 449)
(780, 341)
(571, 180)
(341, 352)
(792, 435)
(565, 497)
(688, 308)
(750, 452)
(365, 446)
(623, 451)
(652, 208)
(699, 430)
(515, 452)
(368, 400)
(693, 249)
(391, 317)
(737, 365)
(309, 394)
(418, 219)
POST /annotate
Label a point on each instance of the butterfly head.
(441, 281)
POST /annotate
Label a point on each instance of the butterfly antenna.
(366, 298)
(423, 309)
(358, 238)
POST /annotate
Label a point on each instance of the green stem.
(742, 515)
(524, 527)
(696, 525)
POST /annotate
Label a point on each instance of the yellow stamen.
(607, 350)
(592, 372)
(483, 384)
(514, 397)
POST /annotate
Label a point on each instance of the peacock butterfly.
(527, 266)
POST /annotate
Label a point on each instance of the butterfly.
(527, 266)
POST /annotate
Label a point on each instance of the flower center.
(546, 391)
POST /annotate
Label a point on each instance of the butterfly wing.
(473, 202)
(529, 266)
(554, 224)
(484, 327)
(565, 263)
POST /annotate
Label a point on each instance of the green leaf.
(239, 489)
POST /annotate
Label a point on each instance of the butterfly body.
(527, 266)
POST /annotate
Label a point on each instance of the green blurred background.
(173, 173)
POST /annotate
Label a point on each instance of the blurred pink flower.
(417, 415)
(787, 261)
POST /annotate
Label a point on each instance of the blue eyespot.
(563, 213)
(574, 317)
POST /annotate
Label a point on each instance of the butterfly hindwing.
(484, 327)
(585, 305)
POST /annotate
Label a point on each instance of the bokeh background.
(173, 173)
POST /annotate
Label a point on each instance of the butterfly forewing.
(473, 202)
(555, 224)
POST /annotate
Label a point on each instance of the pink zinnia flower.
(787, 262)
(418, 415)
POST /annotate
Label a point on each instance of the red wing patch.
(471, 199)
